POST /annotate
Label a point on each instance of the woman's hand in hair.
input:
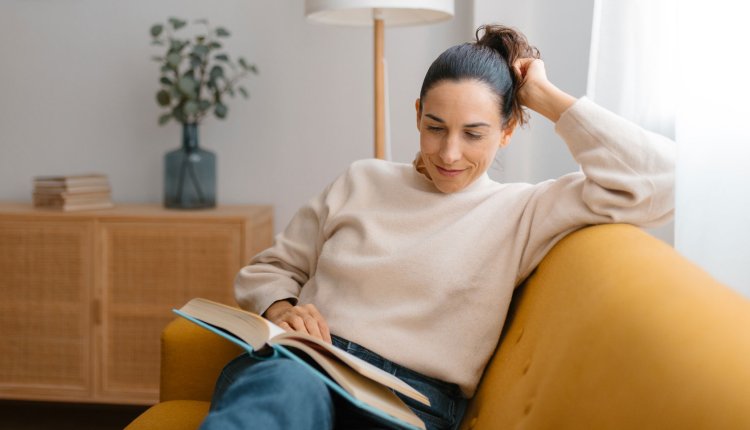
(536, 91)
(301, 318)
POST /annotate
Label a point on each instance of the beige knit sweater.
(425, 278)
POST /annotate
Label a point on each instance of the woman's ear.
(418, 107)
(507, 132)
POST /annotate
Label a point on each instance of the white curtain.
(683, 69)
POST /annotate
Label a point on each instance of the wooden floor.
(22, 415)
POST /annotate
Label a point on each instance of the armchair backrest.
(616, 330)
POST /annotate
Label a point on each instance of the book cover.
(90, 179)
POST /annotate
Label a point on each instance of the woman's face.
(460, 130)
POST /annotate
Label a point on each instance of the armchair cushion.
(191, 361)
(172, 415)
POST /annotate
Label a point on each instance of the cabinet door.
(45, 311)
(149, 268)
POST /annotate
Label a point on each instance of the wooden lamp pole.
(375, 12)
(379, 88)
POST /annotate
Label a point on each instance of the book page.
(367, 391)
(356, 363)
(249, 327)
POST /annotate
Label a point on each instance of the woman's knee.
(265, 389)
(280, 375)
(291, 376)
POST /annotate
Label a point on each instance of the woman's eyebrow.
(442, 121)
(477, 124)
(436, 118)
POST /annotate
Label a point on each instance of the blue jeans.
(281, 394)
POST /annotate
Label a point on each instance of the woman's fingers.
(530, 68)
(522, 64)
(305, 319)
(322, 324)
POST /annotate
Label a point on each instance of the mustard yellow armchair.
(614, 330)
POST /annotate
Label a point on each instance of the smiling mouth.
(446, 172)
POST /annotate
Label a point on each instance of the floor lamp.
(378, 13)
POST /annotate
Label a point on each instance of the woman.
(413, 266)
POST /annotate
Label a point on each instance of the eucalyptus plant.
(196, 75)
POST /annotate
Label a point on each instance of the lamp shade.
(392, 12)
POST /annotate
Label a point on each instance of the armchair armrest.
(191, 360)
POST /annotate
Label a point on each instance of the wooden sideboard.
(85, 295)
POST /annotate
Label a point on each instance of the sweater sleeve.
(279, 272)
(627, 176)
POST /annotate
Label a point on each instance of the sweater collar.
(482, 181)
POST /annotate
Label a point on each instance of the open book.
(359, 382)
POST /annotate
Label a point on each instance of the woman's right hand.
(536, 91)
(301, 318)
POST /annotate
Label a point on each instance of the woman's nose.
(450, 150)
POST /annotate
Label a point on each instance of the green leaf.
(177, 23)
(216, 73)
(220, 111)
(243, 63)
(163, 98)
(164, 118)
(165, 80)
(222, 32)
(200, 50)
(195, 61)
(204, 105)
(174, 59)
(222, 57)
(165, 68)
(157, 42)
(230, 91)
(244, 92)
(187, 85)
(156, 30)
(177, 45)
(178, 114)
(214, 45)
(253, 69)
(200, 39)
(191, 107)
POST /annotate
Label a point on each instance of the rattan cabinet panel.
(150, 268)
(45, 281)
(86, 295)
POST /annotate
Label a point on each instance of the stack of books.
(71, 193)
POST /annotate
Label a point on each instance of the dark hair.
(489, 60)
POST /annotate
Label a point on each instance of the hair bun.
(512, 45)
(508, 41)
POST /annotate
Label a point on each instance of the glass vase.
(190, 174)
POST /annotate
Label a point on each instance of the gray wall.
(77, 91)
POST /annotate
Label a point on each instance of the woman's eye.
(473, 136)
(434, 128)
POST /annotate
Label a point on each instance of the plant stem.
(196, 184)
(181, 179)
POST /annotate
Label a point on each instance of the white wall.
(77, 90)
